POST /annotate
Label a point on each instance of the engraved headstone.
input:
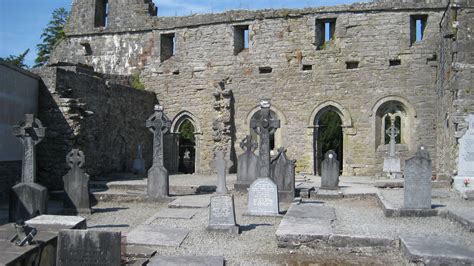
(158, 179)
(391, 163)
(330, 171)
(265, 126)
(222, 214)
(138, 164)
(464, 180)
(220, 166)
(263, 198)
(283, 174)
(417, 181)
(87, 247)
(248, 164)
(76, 185)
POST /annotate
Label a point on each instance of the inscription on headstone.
(417, 184)
(85, 247)
(263, 198)
(248, 164)
(76, 185)
(222, 214)
(330, 171)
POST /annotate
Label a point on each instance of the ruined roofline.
(240, 16)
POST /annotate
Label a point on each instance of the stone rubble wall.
(83, 109)
(455, 83)
(10, 175)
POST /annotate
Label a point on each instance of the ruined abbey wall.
(371, 64)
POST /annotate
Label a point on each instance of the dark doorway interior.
(327, 136)
(187, 148)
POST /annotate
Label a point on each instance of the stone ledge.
(392, 211)
(464, 218)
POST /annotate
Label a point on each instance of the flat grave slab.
(56, 222)
(436, 250)
(172, 213)
(188, 260)
(194, 201)
(311, 210)
(464, 216)
(389, 183)
(156, 235)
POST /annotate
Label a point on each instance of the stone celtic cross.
(392, 132)
(265, 126)
(220, 166)
(75, 158)
(158, 124)
(248, 144)
(30, 133)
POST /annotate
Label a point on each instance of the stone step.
(436, 250)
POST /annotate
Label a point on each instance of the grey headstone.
(85, 247)
(27, 200)
(187, 260)
(222, 214)
(158, 179)
(417, 185)
(263, 198)
(248, 164)
(330, 171)
(157, 235)
(76, 185)
(220, 166)
(391, 163)
(283, 174)
(138, 164)
(466, 162)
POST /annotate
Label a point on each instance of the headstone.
(417, 185)
(220, 166)
(263, 198)
(464, 180)
(330, 171)
(391, 163)
(158, 179)
(138, 165)
(248, 164)
(28, 199)
(87, 247)
(222, 214)
(283, 174)
(76, 185)
(265, 126)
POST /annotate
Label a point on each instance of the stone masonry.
(371, 66)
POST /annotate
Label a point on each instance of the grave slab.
(172, 214)
(157, 235)
(312, 210)
(436, 250)
(58, 222)
(464, 216)
(188, 260)
(194, 201)
(389, 183)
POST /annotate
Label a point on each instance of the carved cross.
(264, 126)
(392, 132)
(248, 144)
(75, 158)
(30, 133)
(220, 166)
(158, 124)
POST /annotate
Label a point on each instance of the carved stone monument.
(220, 167)
(330, 171)
(248, 165)
(391, 163)
(138, 165)
(417, 181)
(283, 174)
(222, 214)
(263, 198)
(76, 185)
(28, 199)
(222, 123)
(464, 180)
(158, 179)
(88, 247)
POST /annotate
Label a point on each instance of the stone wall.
(83, 109)
(455, 85)
(10, 175)
(305, 79)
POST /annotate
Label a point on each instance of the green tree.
(17, 60)
(52, 35)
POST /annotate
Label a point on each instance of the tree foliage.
(17, 60)
(187, 130)
(52, 35)
(330, 133)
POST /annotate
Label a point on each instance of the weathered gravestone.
(417, 182)
(28, 199)
(158, 179)
(263, 198)
(248, 164)
(222, 214)
(138, 164)
(76, 185)
(220, 167)
(464, 180)
(86, 247)
(330, 171)
(391, 163)
(283, 174)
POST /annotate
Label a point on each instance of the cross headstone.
(248, 164)
(464, 180)
(158, 179)
(391, 163)
(393, 133)
(76, 185)
(263, 198)
(30, 133)
(417, 183)
(138, 165)
(264, 126)
(330, 171)
(220, 166)
(222, 214)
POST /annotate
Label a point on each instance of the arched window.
(394, 119)
(388, 114)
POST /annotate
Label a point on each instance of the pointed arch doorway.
(328, 135)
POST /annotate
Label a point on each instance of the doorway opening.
(328, 135)
(186, 148)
